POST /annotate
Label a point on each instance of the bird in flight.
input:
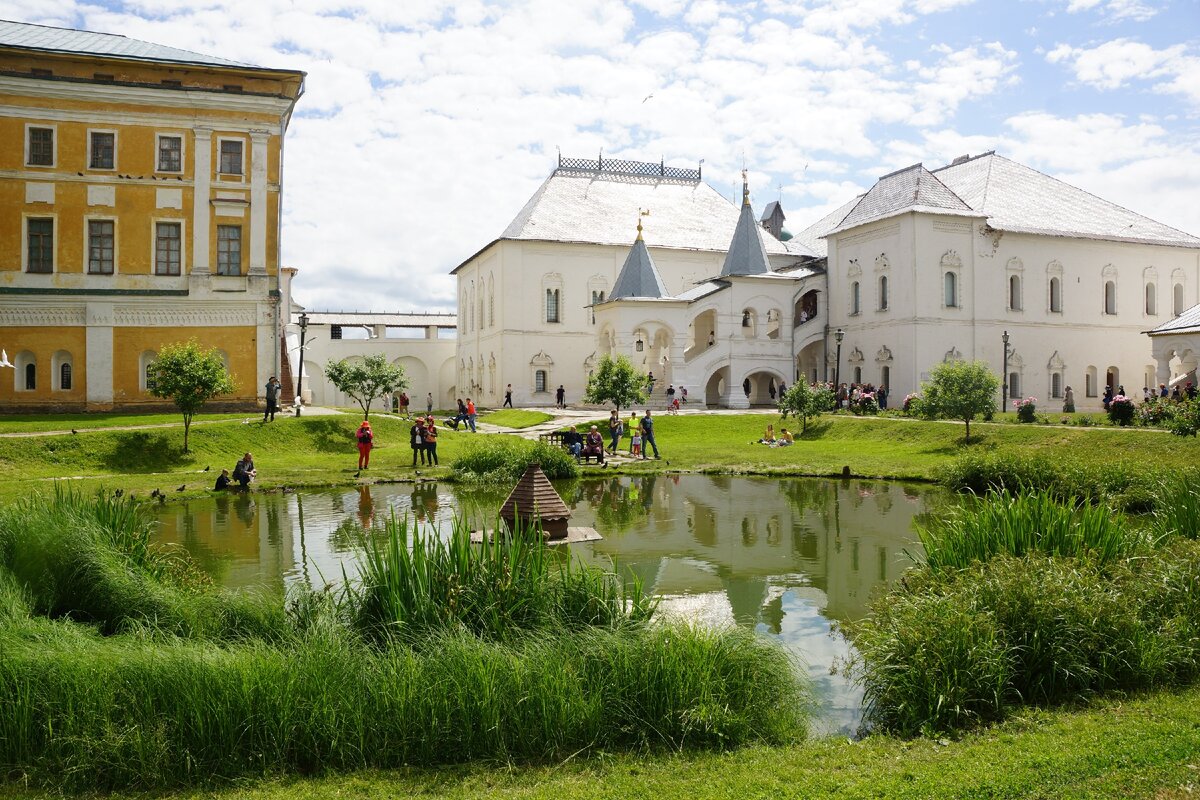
(647, 97)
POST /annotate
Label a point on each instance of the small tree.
(190, 376)
(365, 380)
(960, 390)
(616, 381)
(805, 402)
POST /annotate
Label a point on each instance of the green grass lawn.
(29, 423)
(515, 418)
(1145, 747)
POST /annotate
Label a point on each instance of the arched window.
(1177, 299)
(1014, 385)
(1056, 385)
(950, 282)
(1151, 299)
(539, 380)
(552, 297)
(883, 293)
(491, 302)
(1089, 382)
(885, 376)
(858, 374)
(30, 376)
(144, 362)
(1056, 295)
(1014, 292)
(1110, 297)
(597, 299)
(64, 377)
(855, 299)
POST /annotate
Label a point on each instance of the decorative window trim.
(25, 218)
(116, 150)
(241, 239)
(882, 289)
(88, 219)
(183, 249)
(241, 165)
(158, 137)
(957, 298)
(53, 148)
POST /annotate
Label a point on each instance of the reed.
(1178, 512)
(502, 459)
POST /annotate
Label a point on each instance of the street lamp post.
(300, 367)
(1004, 400)
(837, 365)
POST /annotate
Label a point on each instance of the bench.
(556, 438)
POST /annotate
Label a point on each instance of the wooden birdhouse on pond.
(533, 501)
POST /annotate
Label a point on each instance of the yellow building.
(140, 190)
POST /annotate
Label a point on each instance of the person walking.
(1069, 401)
(404, 401)
(560, 397)
(416, 439)
(650, 383)
(429, 403)
(648, 436)
(507, 396)
(272, 392)
(471, 414)
(366, 440)
(670, 394)
(431, 436)
(614, 430)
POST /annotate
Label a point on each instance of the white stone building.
(924, 267)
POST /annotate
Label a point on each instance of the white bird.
(4, 362)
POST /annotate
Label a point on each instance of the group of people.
(850, 395)
(784, 439)
(639, 430)
(1175, 393)
(466, 413)
(401, 403)
(422, 437)
(243, 473)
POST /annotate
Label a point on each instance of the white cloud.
(1115, 10)
(1116, 63)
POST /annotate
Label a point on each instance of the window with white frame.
(950, 290)
(1110, 297)
(39, 244)
(1151, 299)
(102, 150)
(552, 305)
(1177, 299)
(539, 380)
(168, 248)
(101, 235)
(64, 376)
(1056, 387)
(855, 298)
(1056, 295)
(229, 249)
(231, 156)
(170, 153)
(1014, 292)
(883, 293)
(39, 147)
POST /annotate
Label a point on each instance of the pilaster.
(99, 320)
(258, 202)
(201, 193)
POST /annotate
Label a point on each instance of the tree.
(960, 390)
(616, 381)
(805, 402)
(366, 380)
(190, 376)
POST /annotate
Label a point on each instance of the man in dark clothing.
(560, 397)
(573, 439)
(508, 396)
(648, 436)
(272, 392)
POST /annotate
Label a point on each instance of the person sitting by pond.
(593, 446)
(769, 436)
(244, 472)
(573, 441)
(785, 438)
(222, 481)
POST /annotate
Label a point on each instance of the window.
(1014, 385)
(168, 238)
(597, 298)
(64, 377)
(40, 152)
(855, 299)
(1177, 299)
(1089, 382)
(1056, 385)
(1151, 299)
(100, 246)
(229, 249)
(883, 293)
(539, 380)
(102, 146)
(170, 154)
(1056, 295)
(30, 376)
(335, 331)
(40, 235)
(885, 376)
(1110, 297)
(491, 303)
(552, 305)
(951, 290)
(858, 374)
(1014, 292)
(231, 157)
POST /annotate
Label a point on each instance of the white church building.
(928, 265)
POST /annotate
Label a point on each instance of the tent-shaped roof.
(533, 496)
(638, 277)
(746, 255)
(910, 189)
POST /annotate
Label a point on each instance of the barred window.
(167, 248)
(40, 234)
(231, 157)
(104, 147)
(170, 154)
(100, 246)
(552, 305)
(229, 249)
(539, 380)
(41, 147)
(64, 377)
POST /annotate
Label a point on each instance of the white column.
(201, 212)
(99, 337)
(258, 202)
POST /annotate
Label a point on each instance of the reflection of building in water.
(746, 539)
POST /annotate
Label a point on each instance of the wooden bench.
(553, 438)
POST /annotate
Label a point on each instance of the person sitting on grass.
(573, 440)
(593, 446)
(222, 481)
(244, 472)
(785, 438)
(769, 436)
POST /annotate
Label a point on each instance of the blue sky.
(428, 123)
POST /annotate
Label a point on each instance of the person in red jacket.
(366, 440)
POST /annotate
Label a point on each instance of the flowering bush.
(1120, 410)
(1154, 411)
(1026, 409)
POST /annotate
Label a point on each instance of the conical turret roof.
(533, 496)
(638, 277)
(746, 255)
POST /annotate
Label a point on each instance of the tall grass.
(1178, 512)
(502, 459)
(1018, 524)
(415, 582)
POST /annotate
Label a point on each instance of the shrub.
(912, 404)
(1026, 409)
(1184, 419)
(503, 459)
(1121, 410)
(1155, 411)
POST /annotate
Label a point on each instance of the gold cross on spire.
(642, 212)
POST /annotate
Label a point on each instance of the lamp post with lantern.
(838, 335)
(1004, 383)
(303, 321)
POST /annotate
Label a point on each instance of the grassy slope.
(515, 418)
(29, 423)
(1141, 748)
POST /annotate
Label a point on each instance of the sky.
(427, 124)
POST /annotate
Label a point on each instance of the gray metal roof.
(638, 277)
(701, 290)
(1187, 322)
(371, 318)
(813, 237)
(1020, 199)
(910, 189)
(572, 206)
(770, 209)
(67, 40)
(746, 255)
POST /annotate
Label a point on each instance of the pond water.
(788, 557)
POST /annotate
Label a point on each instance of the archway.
(418, 378)
(704, 333)
(443, 394)
(805, 308)
(758, 386)
(808, 362)
(716, 387)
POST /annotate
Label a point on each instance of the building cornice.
(168, 97)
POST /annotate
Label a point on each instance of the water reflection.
(787, 557)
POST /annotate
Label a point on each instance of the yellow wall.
(239, 343)
(44, 342)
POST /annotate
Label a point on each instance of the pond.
(788, 557)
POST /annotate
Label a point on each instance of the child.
(634, 427)
(635, 445)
